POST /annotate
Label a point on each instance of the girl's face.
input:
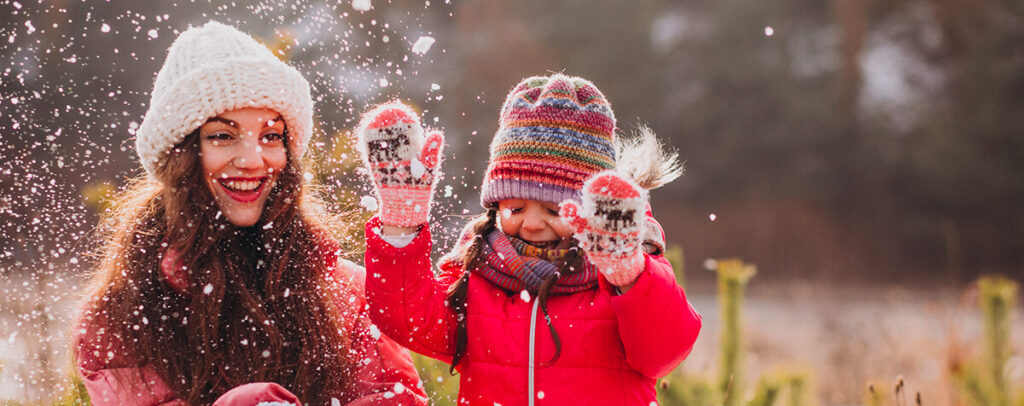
(532, 221)
(242, 153)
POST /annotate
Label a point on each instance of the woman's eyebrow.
(272, 122)
(223, 120)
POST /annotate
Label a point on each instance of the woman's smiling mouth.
(245, 189)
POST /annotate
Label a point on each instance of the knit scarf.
(514, 265)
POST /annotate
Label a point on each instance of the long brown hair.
(472, 256)
(258, 306)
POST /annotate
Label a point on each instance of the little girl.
(563, 233)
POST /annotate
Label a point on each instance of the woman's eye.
(516, 209)
(272, 137)
(553, 212)
(219, 137)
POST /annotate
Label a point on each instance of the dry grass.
(851, 334)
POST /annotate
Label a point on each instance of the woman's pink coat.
(385, 373)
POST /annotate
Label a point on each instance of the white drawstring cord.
(533, 340)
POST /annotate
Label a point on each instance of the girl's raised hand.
(609, 225)
(404, 165)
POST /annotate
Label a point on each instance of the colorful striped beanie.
(555, 132)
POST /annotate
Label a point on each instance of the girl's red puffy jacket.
(614, 346)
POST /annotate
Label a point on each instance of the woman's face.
(242, 153)
(533, 221)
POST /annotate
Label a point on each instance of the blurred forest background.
(863, 142)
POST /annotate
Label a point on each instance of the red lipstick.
(242, 195)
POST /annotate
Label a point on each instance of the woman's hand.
(609, 226)
(404, 165)
(259, 393)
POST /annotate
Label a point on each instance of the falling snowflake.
(422, 45)
(416, 168)
(361, 5)
(369, 203)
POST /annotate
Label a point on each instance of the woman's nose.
(249, 155)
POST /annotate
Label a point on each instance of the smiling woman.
(243, 152)
(220, 281)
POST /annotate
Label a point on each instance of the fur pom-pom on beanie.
(214, 69)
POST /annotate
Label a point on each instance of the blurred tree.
(961, 164)
(771, 104)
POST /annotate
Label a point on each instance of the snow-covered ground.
(35, 315)
(851, 334)
(846, 334)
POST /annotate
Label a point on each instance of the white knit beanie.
(214, 69)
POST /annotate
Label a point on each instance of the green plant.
(799, 388)
(677, 258)
(998, 295)
(441, 387)
(877, 395)
(983, 381)
(688, 390)
(733, 276)
(788, 386)
(74, 393)
(766, 392)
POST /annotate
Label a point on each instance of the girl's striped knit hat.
(555, 132)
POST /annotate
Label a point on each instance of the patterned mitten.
(609, 225)
(403, 164)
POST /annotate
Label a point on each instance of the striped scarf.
(514, 265)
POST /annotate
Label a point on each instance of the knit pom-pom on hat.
(554, 133)
(213, 69)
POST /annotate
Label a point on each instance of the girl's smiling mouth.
(544, 244)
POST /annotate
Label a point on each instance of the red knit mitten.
(403, 163)
(609, 225)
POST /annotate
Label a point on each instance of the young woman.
(220, 281)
